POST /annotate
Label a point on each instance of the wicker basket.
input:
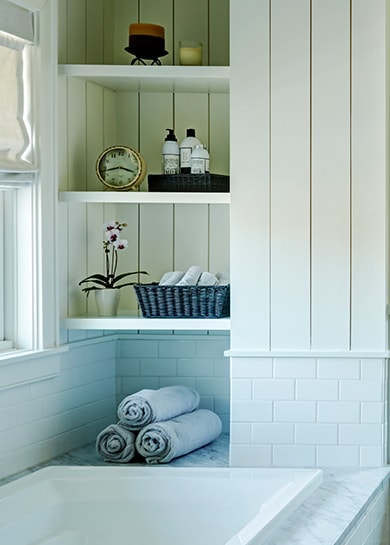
(183, 301)
(215, 183)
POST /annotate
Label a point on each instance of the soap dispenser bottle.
(186, 147)
(170, 158)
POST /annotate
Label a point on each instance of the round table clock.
(120, 168)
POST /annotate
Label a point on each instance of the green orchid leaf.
(125, 275)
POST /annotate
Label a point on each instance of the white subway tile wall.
(43, 419)
(195, 360)
(288, 412)
(295, 412)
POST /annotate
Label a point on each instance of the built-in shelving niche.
(102, 101)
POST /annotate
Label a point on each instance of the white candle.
(190, 53)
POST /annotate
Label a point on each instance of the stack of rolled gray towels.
(159, 425)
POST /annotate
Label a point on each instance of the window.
(18, 180)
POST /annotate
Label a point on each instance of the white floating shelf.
(138, 78)
(139, 323)
(143, 197)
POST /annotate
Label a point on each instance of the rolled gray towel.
(137, 410)
(116, 444)
(160, 442)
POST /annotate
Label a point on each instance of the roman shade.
(16, 150)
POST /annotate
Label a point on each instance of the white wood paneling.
(330, 174)
(127, 121)
(249, 173)
(94, 37)
(76, 31)
(62, 133)
(290, 174)
(160, 13)
(191, 236)
(370, 244)
(62, 31)
(219, 239)
(156, 115)
(108, 36)
(94, 136)
(191, 23)
(76, 145)
(94, 253)
(77, 257)
(156, 240)
(192, 111)
(219, 134)
(218, 33)
(125, 12)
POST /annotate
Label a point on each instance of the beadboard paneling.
(77, 254)
(290, 175)
(156, 115)
(369, 158)
(249, 171)
(94, 133)
(94, 38)
(219, 238)
(157, 243)
(219, 45)
(330, 175)
(219, 133)
(77, 30)
(191, 23)
(160, 13)
(192, 110)
(125, 13)
(191, 235)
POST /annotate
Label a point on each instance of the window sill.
(22, 367)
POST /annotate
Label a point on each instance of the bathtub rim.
(271, 514)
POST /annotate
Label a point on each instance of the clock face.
(120, 168)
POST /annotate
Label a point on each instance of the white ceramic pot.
(107, 301)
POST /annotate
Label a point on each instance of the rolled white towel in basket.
(191, 276)
(171, 278)
(223, 278)
(116, 444)
(137, 410)
(207, 279)
(160, 442)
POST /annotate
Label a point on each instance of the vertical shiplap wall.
(290, 174)
(309, 235)
(309, 175)
(331, 174)
(92, 118)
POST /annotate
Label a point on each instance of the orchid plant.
(112, 244)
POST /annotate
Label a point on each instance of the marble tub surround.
(349, 508)
(215, 454)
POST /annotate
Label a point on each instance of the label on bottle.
(170, 163)
(185, 159)
(198, 165)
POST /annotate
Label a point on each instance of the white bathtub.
(150, 505)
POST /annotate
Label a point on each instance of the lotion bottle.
(186, 147)
(170, 154)
(199, 160)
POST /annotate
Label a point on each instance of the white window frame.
(32, 319)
